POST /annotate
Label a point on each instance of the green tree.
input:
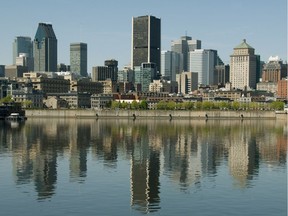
(143, 105)
(277, 105)
(207, 105)
(134, 105)
(27, 103)
(171, 105)
(224, 105)
(188, 105)
(235, 105)
(7, 99)
(115, 104)
(162, 105)
(198, 105)
(253, 105)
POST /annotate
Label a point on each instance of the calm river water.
(158, 167)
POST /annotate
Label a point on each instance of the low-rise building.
(47, 82)
(267, 86)
(28, 97)
(14, 71)
(55, 102)
(99, 101)
(282, 90)
(74, 99)
(86, 85)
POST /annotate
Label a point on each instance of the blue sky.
(105, 25)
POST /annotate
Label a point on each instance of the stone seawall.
(174, 114)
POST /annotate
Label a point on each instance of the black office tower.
(146, 41)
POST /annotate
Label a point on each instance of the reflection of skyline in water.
(183, 151)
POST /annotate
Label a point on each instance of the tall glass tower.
(146, 41)
(22, 44)
(78, 58)
(45, 49)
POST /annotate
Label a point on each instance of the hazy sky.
(105, 25)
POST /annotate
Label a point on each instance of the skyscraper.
(146, 41)
(243, 67)
(22, 44)
(78, 58)
(45, 49)
(184, 45)
(203, 62)
(171, 64)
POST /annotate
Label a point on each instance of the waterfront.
(124, 167)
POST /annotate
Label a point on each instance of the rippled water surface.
(158, 167)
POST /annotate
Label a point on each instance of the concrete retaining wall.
(148, 114)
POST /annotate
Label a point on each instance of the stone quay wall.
(169, 114)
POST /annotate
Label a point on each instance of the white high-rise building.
(171, 64)
(203, 61)
(243, 67)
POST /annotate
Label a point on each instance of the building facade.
(203, 62)
(100, 101)
(78, 58)
(85, 85)
(46, 82)
(282, 90)
(171, 64)
(274, 70)
(74, 99)
(187, 82)
(14, 71)
(243, 67)
(146, 41)
(183, 46)
(101, 73)
(126, 75)
(45, 49)
(24, 60)
(144, 75)
(22, 44)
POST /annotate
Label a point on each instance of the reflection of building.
(243, 158)
(145, 171)
(78, 152)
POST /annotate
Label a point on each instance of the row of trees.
(205, 105)
(171, 105)
(9, 99)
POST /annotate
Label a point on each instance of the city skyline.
(108, 35)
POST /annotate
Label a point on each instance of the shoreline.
(159, 114)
